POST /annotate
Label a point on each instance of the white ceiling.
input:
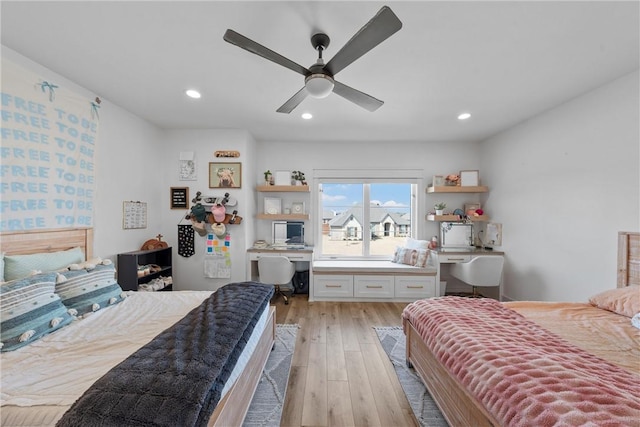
(501, 61)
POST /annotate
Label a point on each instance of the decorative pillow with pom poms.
(88, 290)
(30, 309)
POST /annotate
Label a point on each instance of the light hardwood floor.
(340, 375)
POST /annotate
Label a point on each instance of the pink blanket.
(521, 373)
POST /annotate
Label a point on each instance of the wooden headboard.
(628, 258)
(38, 241)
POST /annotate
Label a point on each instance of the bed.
(487, 363)
(65, 364)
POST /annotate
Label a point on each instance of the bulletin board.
(134, 215)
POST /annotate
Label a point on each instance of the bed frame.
(457, 405)
(232, 409)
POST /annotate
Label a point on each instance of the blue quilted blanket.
(177, 378)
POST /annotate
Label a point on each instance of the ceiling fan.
(319, 78)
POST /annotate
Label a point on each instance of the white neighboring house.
(383, 222)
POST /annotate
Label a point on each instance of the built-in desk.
(442, 257)
(302, 256)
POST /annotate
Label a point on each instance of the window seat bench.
(371, 281)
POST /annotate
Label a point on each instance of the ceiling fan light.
(319, 85)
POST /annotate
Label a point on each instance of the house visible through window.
(365, 218)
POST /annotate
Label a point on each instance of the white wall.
(127, 168)
(188, 273)
(563, 184)
(434, 158)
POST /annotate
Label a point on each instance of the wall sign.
(49, 137)
(179, 197)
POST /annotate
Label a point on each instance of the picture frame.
(272, 206)
(179, 197)
(438, 181)
(225, 175)
(469, 178)
(471, 206)
(297, 208)
(282, 178)
(494, 234)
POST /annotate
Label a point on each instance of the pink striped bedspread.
(521, 373)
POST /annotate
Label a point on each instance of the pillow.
(405, 256)
(635, 320)
(29, 309)
(89, 264)
(624, 301)
(2, 267)
(423, 256)
(416, 244)
(19, 266)
(88, 290)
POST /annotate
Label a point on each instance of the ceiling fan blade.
(294, 101)
(377, 30)
(367, 102)
(253, 47)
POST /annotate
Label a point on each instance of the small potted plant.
(439, 207)
(267, 177)
(298, 178)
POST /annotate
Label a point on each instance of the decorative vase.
(439, 211)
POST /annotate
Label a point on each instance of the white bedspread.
(40, 381)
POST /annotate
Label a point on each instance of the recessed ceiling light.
(464, 116)
(307, 116)
(192, 93)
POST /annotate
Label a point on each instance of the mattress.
(602, 333)
(42, 380)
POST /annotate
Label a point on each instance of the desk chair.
(483, 270)
(279, 271)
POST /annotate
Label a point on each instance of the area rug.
(266, 407)
(424, 408)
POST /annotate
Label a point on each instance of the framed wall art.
(282, 178)
(438, 181)
(469, 178)
(225, 175)
(272, 206)
(471, 207)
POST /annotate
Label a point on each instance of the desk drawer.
(453, 258)
(292, 255)
(365, 286)
(415, 286)
(332, 285)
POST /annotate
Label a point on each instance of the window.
(365, 218)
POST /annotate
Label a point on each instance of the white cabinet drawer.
(366, 286)
(254, 256)
(415, 286)
(332, 285)
(453, 258)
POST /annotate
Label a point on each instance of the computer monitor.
(289, 233)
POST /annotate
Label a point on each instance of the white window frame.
(366, 176)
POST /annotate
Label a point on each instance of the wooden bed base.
(233, 408)
(457, 405)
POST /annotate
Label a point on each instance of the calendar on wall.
(134, 215)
